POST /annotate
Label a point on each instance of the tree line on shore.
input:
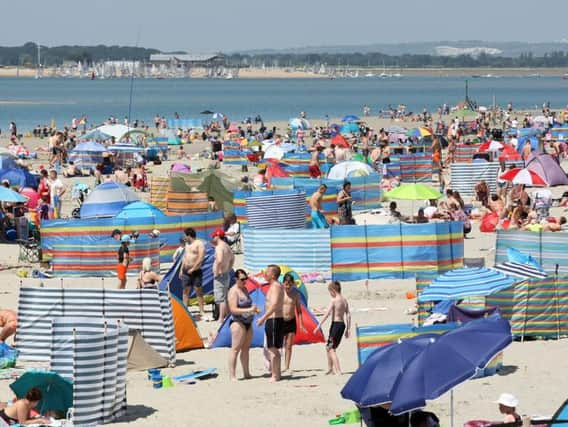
(26, 56)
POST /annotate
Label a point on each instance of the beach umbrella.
(465, 282)
(490, 146)
(449, 360)
(350, 118)
(426, 366)
(413, 192)
(10, 196)
(56, 391)
(297, 123)
(180, 167)
(96, 135)
(348, 169)
(396, 129)
(395, 137)
(207, 112)
(19, 178)
(89, 147)
(350, 128)
(233, 128)
(523, 176)
(218, 116)
(140, 210)
(509, 154)
(339, 140)
(420, 132)
(521, 271)
(31, 195)
(373, 383)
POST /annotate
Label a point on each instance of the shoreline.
(282, 73)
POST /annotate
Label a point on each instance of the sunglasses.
(242, 278)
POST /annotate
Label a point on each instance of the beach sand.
(534, 371)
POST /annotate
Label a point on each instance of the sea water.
(30, 102)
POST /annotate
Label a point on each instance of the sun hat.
(218, 233)
(507, 399)
(125, 239)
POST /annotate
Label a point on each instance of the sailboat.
(38, 71)
(384, 74)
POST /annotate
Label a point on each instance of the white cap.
(507, 399)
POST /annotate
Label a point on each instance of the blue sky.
(227, 25)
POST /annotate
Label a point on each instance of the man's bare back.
(224, 258)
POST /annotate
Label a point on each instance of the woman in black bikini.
(147, 279)
(242, 314)
(19, 412)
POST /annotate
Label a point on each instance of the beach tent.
(220, 187)
(141, 356)
(19, 178)
(140, 210)
(546, 167)
(257, 293)
(172, 283)
(87, 155)
(107, 200)
(185, 328)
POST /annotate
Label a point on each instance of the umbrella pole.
(557, 302)
(452, 408)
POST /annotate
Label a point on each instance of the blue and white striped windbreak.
(465, 282)
(521, 271)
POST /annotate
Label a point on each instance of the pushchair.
(78, 194)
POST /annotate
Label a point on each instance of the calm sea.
(40, 101)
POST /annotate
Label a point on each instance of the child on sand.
(340, 323)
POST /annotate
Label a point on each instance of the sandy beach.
(289, 73)
(534, 371)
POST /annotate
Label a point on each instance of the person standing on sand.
(224, 261)
(338, 309)
(242, 311)
(274, 318)
(123, 261)
(190, 274)
(56, 191)
(318, 218)
(292, 310)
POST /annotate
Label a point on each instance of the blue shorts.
(318, 220)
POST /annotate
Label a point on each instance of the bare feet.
(329, 372)
(247, 377)
(273, 380)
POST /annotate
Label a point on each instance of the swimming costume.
(336, 331)
(9, 420)
(121, 271)
(245, 319)
(289, 327)
(274, 332)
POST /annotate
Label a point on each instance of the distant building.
(192, 60)
(472, 51)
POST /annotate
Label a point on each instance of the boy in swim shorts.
(338, 309)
